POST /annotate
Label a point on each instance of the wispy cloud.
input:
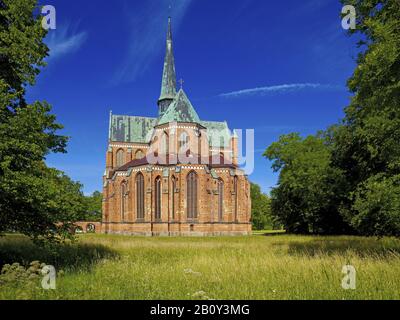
(280, 89)
(285, 128)
(147, 40)
(64, 41)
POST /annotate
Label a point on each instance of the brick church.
(174, 174)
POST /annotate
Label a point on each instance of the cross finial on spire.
(169, 32)
(181, 83)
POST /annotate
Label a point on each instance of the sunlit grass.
(257, 267)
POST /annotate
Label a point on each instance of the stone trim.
(128, 145)
(146, 167)
(177, 127)
(221, 150)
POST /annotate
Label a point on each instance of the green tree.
(260, 209)
(34, 199)
(348, 177)
(21, 51)
(377, 206)
(308, 192)
(366, 147)
(93, 206)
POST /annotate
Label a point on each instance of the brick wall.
(236, 206)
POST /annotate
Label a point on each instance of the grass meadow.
(262, 266)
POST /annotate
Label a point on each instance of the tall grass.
(257, 267)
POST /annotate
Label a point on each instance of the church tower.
(168, 85)
(174, 174)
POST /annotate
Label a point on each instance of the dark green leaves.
(348, 177)
(36, 200)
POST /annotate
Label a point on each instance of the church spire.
(168, 86)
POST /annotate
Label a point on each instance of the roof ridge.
(127, 115)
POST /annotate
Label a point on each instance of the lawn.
(262, 266)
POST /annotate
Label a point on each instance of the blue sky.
(273, 66)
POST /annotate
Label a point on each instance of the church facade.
(175, 174)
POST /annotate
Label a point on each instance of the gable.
(218, 133)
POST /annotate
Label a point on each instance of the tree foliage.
(21, 49)
(93, 207)
(347, 178)
(36, 200)
(367, 145)
(260, 209)
(306, 197)
(376, 208)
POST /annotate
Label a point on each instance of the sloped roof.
(216, 161)
(168, 85)
(131, 128)
(139, 129)
(133, 163)
(218, 133)
(135, 129)
(180, 110)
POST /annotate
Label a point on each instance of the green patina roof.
(219, 134)
(214, 174)
(131, 128)
(168, 85)
(140, 129)
(180, 110)
(165, 172)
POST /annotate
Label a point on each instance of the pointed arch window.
(157, 198)
(155, 146)
(140, 196)
(173, 188)
(120, 158)
(139, 154)
(221, 158)
(221, 140)
(183, 141)
(220, 199)
(123, 200)
(191, 195)
(235, 190)
(165, 146)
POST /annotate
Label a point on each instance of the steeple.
(168, 86)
